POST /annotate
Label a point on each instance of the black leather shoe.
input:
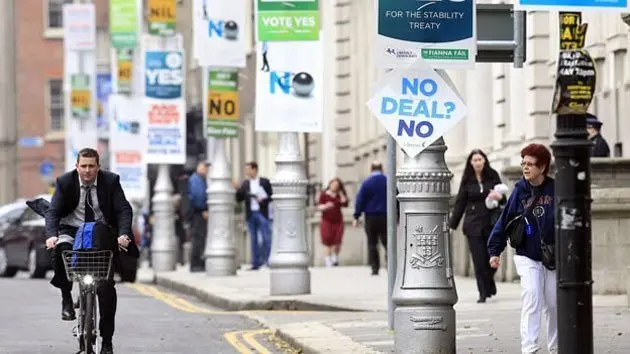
(67, 311)
(107, 348)
(481, 300)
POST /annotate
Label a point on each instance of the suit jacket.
(243, 194)
(472, 201)
(111, 199)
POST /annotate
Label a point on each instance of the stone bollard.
(425, 292)
(289, 257)
(220, 252)
(164, 243)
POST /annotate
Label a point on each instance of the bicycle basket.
(98, 264)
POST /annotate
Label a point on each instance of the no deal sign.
(416, 107)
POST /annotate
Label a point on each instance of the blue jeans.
(258, 223)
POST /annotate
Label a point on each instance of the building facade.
(508, 108)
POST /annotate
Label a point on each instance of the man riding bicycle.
(87, 194)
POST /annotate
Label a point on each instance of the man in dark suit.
(84, 195)
(256, 192)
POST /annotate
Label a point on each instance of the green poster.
(222, 111)
(123, 18)
(281, 20)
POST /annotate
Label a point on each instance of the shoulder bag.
(515, 228)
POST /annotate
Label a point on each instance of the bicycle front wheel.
(88, 324)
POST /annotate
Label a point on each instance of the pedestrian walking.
(330, 203)
(477, 184)
(256, 192)
(371, 200)
(198, 199)
(528, 223)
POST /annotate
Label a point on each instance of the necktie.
(89, 211)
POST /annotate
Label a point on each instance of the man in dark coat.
(256, 192)
(88, 194)
(593, 127)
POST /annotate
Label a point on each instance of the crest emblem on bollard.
(427, 253)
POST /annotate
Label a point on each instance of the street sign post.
(46, 171)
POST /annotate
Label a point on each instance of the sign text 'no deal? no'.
(416, 108)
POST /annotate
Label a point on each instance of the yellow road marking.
(186, 306)
(232, 338)
(249, 338)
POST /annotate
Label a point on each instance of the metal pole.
(289, 257)
(572, 153)
(164, 244)
(391, 227)
(220, 253)
(519, 38)
(424, 292)
(8, 111)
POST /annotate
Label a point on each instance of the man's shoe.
(67, 311)
(107, 348)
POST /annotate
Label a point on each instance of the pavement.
(149, 320)
(346, 311)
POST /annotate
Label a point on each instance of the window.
(55, 105)
(55, 13)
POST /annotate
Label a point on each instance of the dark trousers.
(198, 230)
(265, 66)
(483, 272)
(375, 229)
(107, 297)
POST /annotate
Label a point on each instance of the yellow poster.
(223, 105)
(162, 17)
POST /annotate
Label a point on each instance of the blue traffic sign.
(46, 168)
(572, 5)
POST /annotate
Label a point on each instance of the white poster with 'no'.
(416, 106)
(289, 87)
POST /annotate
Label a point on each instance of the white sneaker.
(328, 262)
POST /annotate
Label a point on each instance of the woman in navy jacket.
(533, 198)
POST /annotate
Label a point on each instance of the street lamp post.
(289, 257)
(424, 292)
(220, 253)
(164, 243)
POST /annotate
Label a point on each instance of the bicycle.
(89, 269)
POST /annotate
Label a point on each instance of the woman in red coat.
(330, 203)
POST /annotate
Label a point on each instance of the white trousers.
(538, 293)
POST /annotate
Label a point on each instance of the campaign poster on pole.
(220, 108)
(287, 20)
(165, 107)
(124, 70)
(416, 106)
(219, 33)
(123, 18)
(128, 138)
(79, 80)
(442, 33)
(162, 17)
(79, 27)
(289, 87)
